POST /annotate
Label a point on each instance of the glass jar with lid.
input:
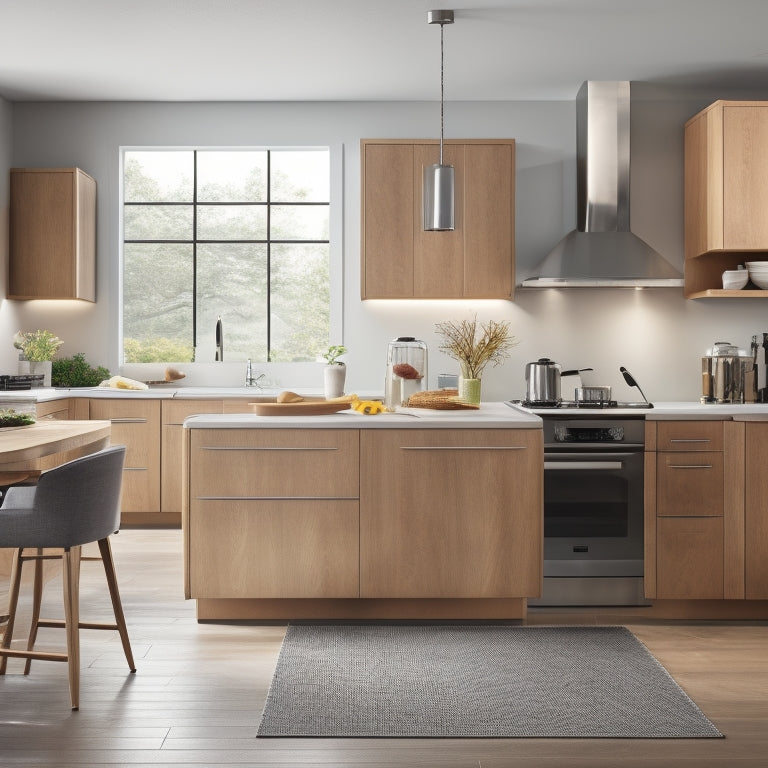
(406, 370)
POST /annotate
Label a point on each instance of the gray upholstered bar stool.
(74, 504)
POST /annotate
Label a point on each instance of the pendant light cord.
(442, 93)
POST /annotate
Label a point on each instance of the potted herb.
(38, 348)
(75, 371)
(335, 372)
(474, 352)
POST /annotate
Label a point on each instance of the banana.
(368, 407)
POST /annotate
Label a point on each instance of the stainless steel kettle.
(542, 381)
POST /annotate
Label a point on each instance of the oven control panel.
(600, 431)
(571, 433)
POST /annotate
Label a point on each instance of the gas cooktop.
(581, 404)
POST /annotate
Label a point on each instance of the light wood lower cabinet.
(756, 511)
(53, 410)
(173, 413)
(689, 558)
(385, 516)
(274, 548)
(450, 513)
(135, 424)
(694, 510)
(273, 513)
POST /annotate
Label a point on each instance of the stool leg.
(37, 598)
(109, 569)
(71, 578)
(13, 600)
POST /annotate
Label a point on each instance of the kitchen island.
(414, 514)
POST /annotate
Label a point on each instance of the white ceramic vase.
(334, 377)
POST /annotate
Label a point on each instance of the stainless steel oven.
(593, 509)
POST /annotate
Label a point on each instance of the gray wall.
(657, 334)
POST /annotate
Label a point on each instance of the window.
(241, 234)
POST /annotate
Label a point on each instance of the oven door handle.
(570, 461)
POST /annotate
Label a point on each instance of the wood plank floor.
(198, 694)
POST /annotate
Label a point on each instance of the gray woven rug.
(461, 681)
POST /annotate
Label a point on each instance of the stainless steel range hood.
(602, 252)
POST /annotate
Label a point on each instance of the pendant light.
(439, 178)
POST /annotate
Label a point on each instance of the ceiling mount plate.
(440, 17)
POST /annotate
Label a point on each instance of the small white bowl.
(760, 280)
(757, 264)
(735, 279)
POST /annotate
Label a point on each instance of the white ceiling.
(320, 50)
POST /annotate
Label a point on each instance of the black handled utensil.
(630, 379)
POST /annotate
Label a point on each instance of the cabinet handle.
(135, 469)
(255, 448)
(129, 420)
(689, 466)
(690, 440)
(463, 447)
(275, 498)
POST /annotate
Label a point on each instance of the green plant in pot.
(76, 371)
(38, 348)
(474, 351)
(335, 372)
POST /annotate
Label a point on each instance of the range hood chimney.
(602, 252)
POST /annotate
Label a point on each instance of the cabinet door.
(136, 425)
(173, 414)
(689, 484)
(689, 558)
(399, 259)
(451, 513)
(52, 234)
(273, 548)
(745, 177)
(438, 257)
(756, 511)
(388, 200)
(489, 240)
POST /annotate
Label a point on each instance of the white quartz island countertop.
(488, 416)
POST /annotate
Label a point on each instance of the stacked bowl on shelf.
(758, 273)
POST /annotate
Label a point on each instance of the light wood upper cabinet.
(52, 234)
(726, 194)
(401, 260)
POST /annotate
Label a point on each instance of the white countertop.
(488, 416)
(660, 411)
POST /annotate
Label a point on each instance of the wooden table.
(26, 452)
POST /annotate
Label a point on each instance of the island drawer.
(274, 463)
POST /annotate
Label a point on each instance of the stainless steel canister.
(728, 375)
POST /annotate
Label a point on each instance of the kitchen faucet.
(219, 340)
(250, 379)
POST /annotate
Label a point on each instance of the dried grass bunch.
(461, 342)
